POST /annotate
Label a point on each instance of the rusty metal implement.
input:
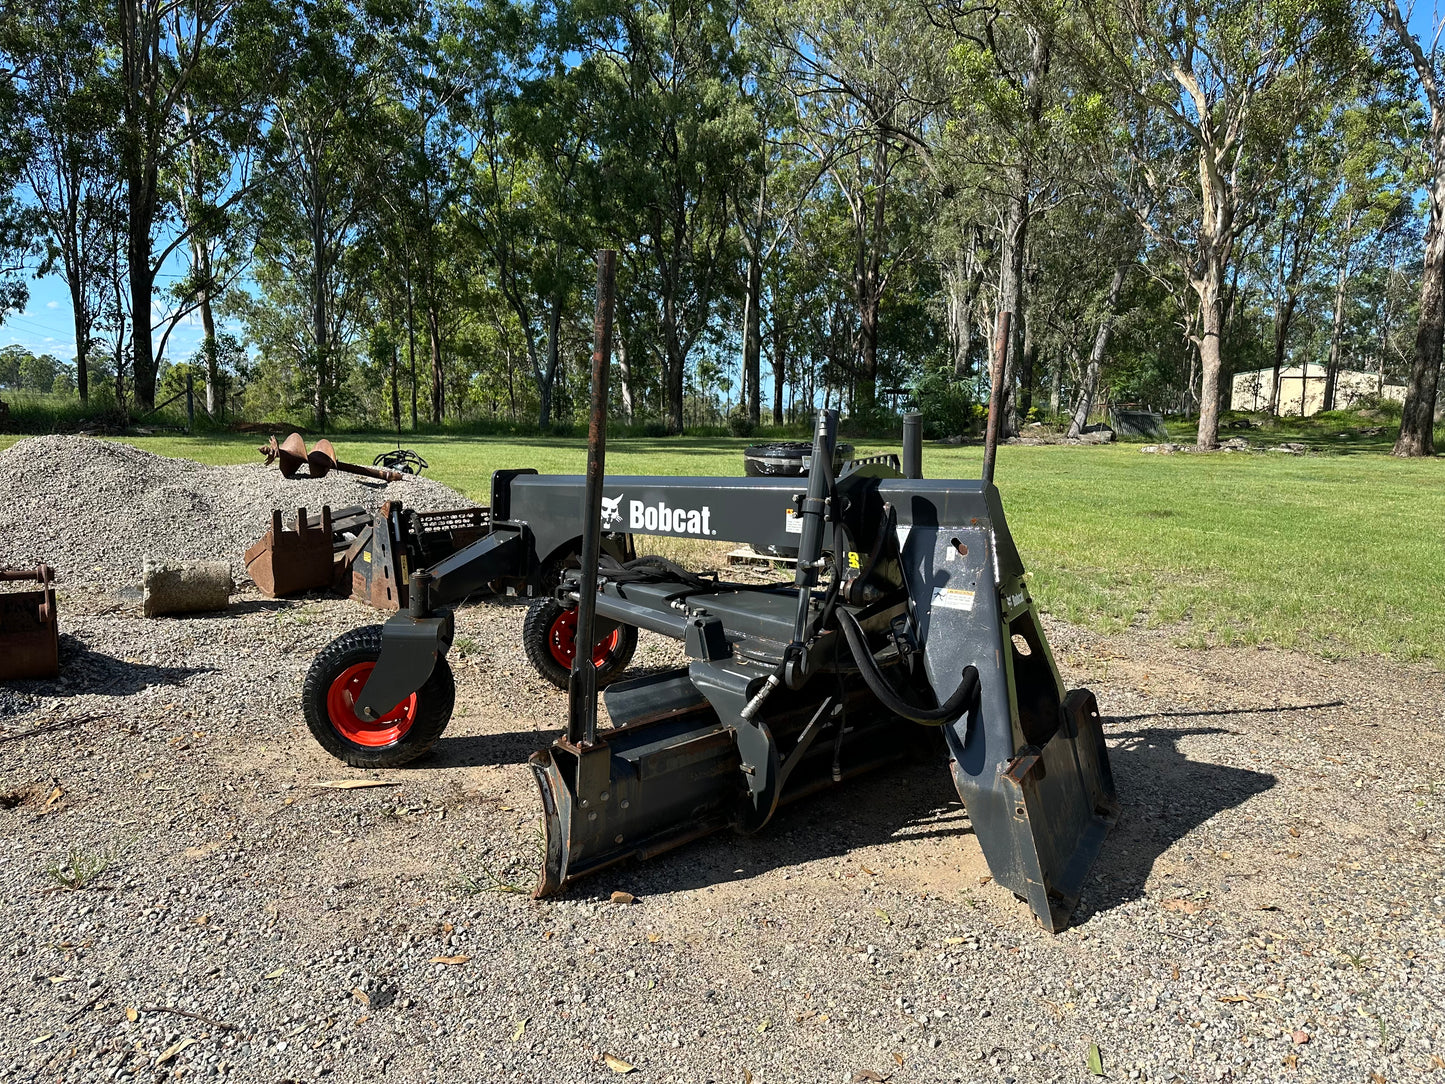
(323, 460)
(29, 634)
(290, 453)
(320, 461)
(286, 562)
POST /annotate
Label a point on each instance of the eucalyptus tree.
(525, 207)
(1417, 424)
(169, 51)
(866, 82)
(672, 137)
(1292, 230)
(429, 59)
(1010, 153)
(1374, 134)
(319, 184)
(67, 103)
(1206, 93)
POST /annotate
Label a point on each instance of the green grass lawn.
(1337, 554)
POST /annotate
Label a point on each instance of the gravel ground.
(1269, 908)
(129, 503)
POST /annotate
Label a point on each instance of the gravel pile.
(92, 508)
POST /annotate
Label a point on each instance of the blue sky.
(47, 324)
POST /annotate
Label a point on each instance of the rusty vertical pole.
(995, 395)
(582, 688)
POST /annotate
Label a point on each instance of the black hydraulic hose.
(963, 697)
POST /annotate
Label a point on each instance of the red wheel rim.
(341, 709)
(562, 641)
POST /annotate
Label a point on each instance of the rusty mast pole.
(582, 688)
(995, 396)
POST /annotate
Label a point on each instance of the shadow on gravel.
(475, 750)
(914, 800)
(84, 672)
(1165, 796)
(1223, 711)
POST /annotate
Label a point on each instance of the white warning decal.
(951, 598)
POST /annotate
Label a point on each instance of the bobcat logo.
(611, 514)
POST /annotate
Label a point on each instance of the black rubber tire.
(434, 701)
(536, 641)
(784, 458)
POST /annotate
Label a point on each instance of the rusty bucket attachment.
(29, 633)
(286, 562)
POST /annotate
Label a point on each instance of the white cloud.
(52, 304)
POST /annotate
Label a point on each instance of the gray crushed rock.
(1270, 907)
(91, 509)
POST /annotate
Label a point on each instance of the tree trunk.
(142, 283)
(411, 346)
(1283, 318)
(202, 257)
(319, 329)
(1211, 358)
(753, 311)
(779, 334)
(1090, 385)
(1028, 357)
(963, 284)
(867, 282)
(1011, 290)
(1337, 336)
(140, 172)
(1417, 422)
(82, 337)
(752, 340)
(624, 372)
(395, 389)
(434, 335)
(673, 361)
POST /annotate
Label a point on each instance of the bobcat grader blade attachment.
(908, 627)
(677, 774)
